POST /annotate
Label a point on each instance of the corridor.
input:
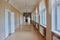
(29, 19)
(25, 32)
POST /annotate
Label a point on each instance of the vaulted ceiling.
(24, 5)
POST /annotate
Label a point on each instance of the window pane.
(44, 18)
(53, 15)
(37, 16)
(41, 18)
(12, 23)
(42, 15)
(58, 17)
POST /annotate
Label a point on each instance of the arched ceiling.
(24, 5)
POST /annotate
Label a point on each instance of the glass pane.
(12, 23)
(41, 18)
(42, 15)
(44, 18)
(53, 15)
(58, 17)
(36, 15)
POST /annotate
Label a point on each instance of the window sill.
(43, 26)
(56, 32)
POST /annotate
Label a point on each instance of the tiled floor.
(25, 32)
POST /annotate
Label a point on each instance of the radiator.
(42, 31)
(36, 26)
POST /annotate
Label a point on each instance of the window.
(37, 16)
(56, 15)
(42, 15)
(12, 23)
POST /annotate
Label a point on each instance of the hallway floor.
(25, 32)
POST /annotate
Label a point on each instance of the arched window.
(42, 14)
(56, 15)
